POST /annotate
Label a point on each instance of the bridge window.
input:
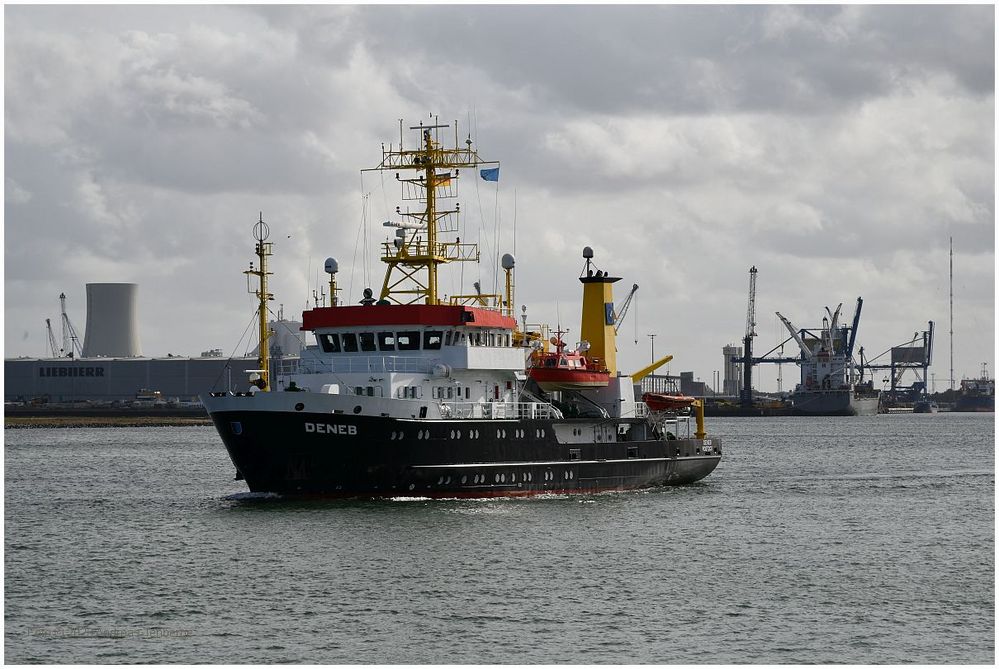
(432, 340)
(447, 338)
(330, 343)
(386, 341)
(408, 341)
(350, 343)
(367, 341)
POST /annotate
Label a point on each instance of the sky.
(835, 148)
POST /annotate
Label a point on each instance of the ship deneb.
(417, 394)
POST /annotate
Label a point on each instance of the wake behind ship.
(415, 394)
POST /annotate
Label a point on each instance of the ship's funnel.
(597, 325)
(112, 323)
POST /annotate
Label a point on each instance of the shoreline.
(31, 422)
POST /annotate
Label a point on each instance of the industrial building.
(112, 369)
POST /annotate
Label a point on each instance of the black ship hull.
(975, 403)
(302, 454)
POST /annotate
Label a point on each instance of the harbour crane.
(56, 352)
(619, 314)
(747, 343)
(746, 359)
(70, 340)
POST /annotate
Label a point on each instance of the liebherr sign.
(70, 371)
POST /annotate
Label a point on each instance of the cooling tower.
(112, 323)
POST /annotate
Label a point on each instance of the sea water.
(816, 540)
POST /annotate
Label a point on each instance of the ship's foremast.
(414, 257)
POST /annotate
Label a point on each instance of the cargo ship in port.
(977, 395)
(414, 393)
(830, 381)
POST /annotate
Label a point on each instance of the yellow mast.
(417, 246)
(263, 250)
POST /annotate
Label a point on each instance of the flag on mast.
(491, 174)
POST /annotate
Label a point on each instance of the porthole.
(412, 485)
(463, 479)
(459, 434)
(542, 433)
(357, 409)
(497, 434)
(440, 480)
(299, 406)
(497, 478)
(452, 434)
(502, 478)
(447, 481)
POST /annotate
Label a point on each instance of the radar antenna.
(431, 174)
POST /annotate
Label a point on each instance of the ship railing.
(366, 364)
(499, 410)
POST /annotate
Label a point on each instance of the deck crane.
(70, 340)
(619, 314)
(747, 343)
(56, 352)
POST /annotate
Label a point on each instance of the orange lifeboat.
(566, 370)
(667, 403)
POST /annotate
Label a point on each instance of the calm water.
(828, 540)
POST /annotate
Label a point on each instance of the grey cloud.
(835, 147)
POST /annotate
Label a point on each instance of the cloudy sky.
(837, 149)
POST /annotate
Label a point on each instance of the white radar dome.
(332, 266)
(587, 252)
(507, 261)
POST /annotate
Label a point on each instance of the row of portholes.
(472, 434)
(395, 435)
(526, 477)
(520, 434)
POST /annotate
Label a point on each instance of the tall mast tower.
(428, 174)
(263, 249)
(952, 313)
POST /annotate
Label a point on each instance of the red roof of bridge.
(405, 314)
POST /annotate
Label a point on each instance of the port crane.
(746, 359)
(53, 347)
(747, 343)
(619, 314)
(915, 355)
(70, 340)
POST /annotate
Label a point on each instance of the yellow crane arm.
(645, 371)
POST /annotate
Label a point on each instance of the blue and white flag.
(491, 174)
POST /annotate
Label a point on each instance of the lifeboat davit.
(670, 403)
(566, 370)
